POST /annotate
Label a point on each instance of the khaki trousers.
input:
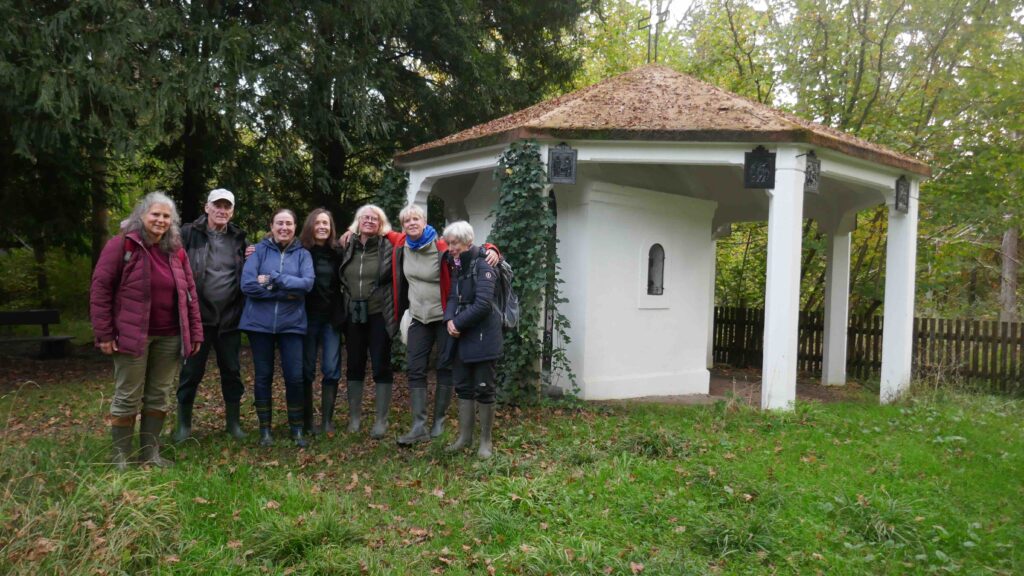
(147, 381)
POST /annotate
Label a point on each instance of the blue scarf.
(428, 236)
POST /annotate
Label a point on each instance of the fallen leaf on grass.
(200, 500)
(355, 482)
(272, 505)
(438, 492)
(40, 548)
(636, 567)
(234, 544)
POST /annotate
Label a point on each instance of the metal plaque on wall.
(812, 173)
(902, 194)
(759, 168)
(562, 164)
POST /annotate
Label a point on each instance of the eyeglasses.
(368, 218)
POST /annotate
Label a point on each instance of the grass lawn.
(931, 485)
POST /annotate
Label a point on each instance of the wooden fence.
(982, 352)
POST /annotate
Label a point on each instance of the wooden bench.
(49, 346)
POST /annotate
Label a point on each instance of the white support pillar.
(418, 188)
(711, 305)
(898, 327)
(720, 231)
(782, 288)
(837, 303)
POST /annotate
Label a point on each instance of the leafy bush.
(68, 275)
(523, 227)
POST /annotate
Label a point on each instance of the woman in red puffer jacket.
(145, 313)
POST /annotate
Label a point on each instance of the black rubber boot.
(442, 400)
(297, 437)
(149, 439)
(296, 424)
(266, 438)
(328, 397)
(382, 405)
(355, 405)
(486, 412)
(122, 433)
(467, 418)
(307, 409)
(184, 429)
(233, 421)
(263, 414)
(418, 433)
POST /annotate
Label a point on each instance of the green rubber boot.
(442, 400)
(184, 430)
(355, 405)
(382, 405)
(418, 433)
(122, 433)
(486, 425)
(328, 397)
(149, 439)
(467, 417)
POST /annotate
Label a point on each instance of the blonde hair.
(385, 224)
(410, 210)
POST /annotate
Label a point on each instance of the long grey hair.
(171, 240)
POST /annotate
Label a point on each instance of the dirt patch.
(745, 385)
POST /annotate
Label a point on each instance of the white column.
(782, 288)
(898, 327)
(417, 182)
(711, 305)
(837, 302)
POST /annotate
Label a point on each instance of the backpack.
(506, 301)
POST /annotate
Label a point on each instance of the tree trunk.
(1008, 276)
(100, 209)
(42, 280)
(193, 179)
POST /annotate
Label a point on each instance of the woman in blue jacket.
(275, 281)
(476, 342)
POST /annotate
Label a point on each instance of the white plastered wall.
(626, 343)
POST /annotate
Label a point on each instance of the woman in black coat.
(474, 325)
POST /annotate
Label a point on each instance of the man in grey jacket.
(216, 251)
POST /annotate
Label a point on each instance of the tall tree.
(367, 79)
(73, 86)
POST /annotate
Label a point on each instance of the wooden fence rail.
(982, 352)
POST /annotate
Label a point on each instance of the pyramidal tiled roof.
(656, 103)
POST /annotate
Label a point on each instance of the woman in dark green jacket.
(366, 279)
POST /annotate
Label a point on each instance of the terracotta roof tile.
(655, 102)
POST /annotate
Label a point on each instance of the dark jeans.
(474, 381)
(371, 337)
(290, 345)
(422, 338)
(227, 346)
(321, 335)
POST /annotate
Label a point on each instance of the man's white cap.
(221, 194)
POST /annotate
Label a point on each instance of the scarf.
(428, 236)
